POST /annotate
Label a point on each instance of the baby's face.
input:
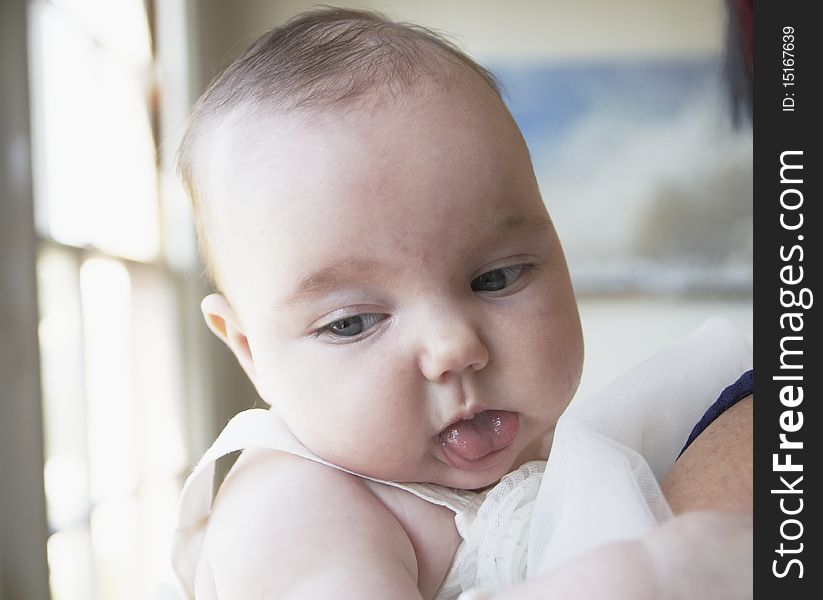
(398, 293)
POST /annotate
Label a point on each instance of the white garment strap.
(246, 429)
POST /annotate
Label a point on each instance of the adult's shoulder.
(715, 471)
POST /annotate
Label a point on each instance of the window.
(109, 294)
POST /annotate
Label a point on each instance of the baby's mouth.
(476, 443)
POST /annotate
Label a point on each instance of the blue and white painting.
(648, 183)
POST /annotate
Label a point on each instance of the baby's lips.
(486, 432)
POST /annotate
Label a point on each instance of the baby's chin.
(434, 471)
(469, 480)
(476, 477)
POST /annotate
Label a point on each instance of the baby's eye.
(352, 326)
(498, 279)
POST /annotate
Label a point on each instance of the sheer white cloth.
(599, 485)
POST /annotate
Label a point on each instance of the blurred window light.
(109, 327)
(111, 412)
(94, 169)
(70, 564)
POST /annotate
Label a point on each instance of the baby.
(393, 286)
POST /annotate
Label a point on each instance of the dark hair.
(739, 59)
(321, 59)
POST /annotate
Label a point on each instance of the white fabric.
(600, 483)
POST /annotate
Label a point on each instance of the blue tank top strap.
(729, 397)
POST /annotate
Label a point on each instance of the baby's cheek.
(384, 419)
(301, 391)
(357, 414)
(549, 351)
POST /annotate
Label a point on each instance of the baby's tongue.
(484, 433)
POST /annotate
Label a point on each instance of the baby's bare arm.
(287, 528)
(715, 472)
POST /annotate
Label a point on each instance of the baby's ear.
(223, 322)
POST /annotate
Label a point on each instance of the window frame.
(23, 528)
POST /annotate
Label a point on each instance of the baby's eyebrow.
(348, 269)
(330, 277)
(517, 224)
(522, 223)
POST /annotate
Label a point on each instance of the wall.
(519, 29)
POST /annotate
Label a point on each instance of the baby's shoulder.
(285, 489)
(282, 477)
(278, 518)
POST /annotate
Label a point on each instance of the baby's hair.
(320, 60)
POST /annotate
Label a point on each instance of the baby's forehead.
(401, 129)
(434, 162)
(249, 120)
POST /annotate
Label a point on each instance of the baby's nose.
(451, 346)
